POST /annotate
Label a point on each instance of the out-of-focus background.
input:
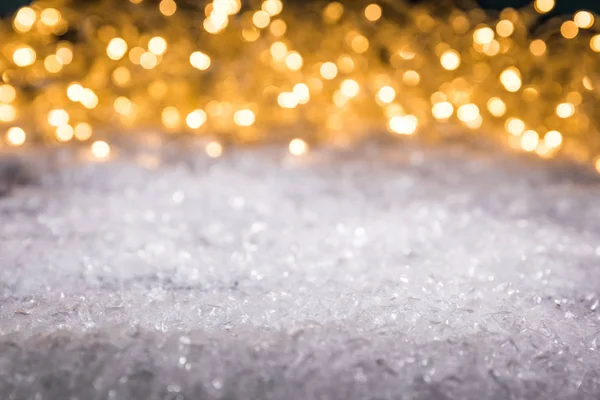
(562, 6)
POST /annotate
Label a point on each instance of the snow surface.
(389, 272)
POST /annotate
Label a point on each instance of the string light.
(246, 72)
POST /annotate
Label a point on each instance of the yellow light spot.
(569, 29)
(7, 93)
(278, 51)
(135, 54)
(442, 111)
(250, 35)
(50, 17)
(544, 6)
(373, 12)
(345, 64)
(530, 140)
(83, 131)
(468, 112)
(52, 64)
(8, 113)
(294, 61)
(196, 119)
(302, 93)
(58, 117)
(100, 150)
(333, 12)
(214, 149)
(496, 107)
(587, 83)
(148, 60)
(403, 125)
(565, 110)
(511, 79)
(359, 44)
(261, 19)
(89, 99)
(537, 47)
(515, 126)
(64, 133)
(171, 118)
(278, 28)
(24, 19)
(505, 28)
(24, 56)
(64, 55)
(329, 70)
(116, 49)
(411, 78)
(123, 105)
(121, 76)
(298, 147)
(597, 165)
(200, 61)
(553, 139)
(595, 43)
(75, 92)
(157, 45)
(15, 136)
(584, 19)
(483, 35)
(167, 7)
(386, 94)
(287, 100)
(350, 88)
(450, 60)
(244, 117)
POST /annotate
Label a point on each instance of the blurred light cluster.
(241, 71)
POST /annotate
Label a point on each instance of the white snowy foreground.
(389, 272)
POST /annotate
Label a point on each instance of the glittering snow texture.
(383, 273)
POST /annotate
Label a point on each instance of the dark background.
(563, 6)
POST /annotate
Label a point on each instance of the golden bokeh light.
(298, 147)
(16, 136)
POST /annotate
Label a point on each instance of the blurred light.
(595, 43)
(515, 126)
(496, 107)
(15, 136)
(24, 19)
(196, 119)
(544, 6)
(24, 56)
(373, 12)
(58, 117)
(167, 7)
(537, 47)
(294, 61)
(64, 133)
(569, 29)
(511, 79)
(298, 147)
(157, 45)
(244, 117)
(329, 70)
(116, 49)
(505, 28)
(584, 19)
(350, 88)
(565, 110)
(100, 150)
(530, 140)
(7, 93)
(171, 118)
(386, 94)
(287, 100)
(214, 149)
(403, 125)
(302, 93)
(200, 60)
(8, 113)
(468, 112)
(483, 36)
(442, 111)
(450, 60)
(83, 131)
(553, 139)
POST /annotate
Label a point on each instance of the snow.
(393, 271)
